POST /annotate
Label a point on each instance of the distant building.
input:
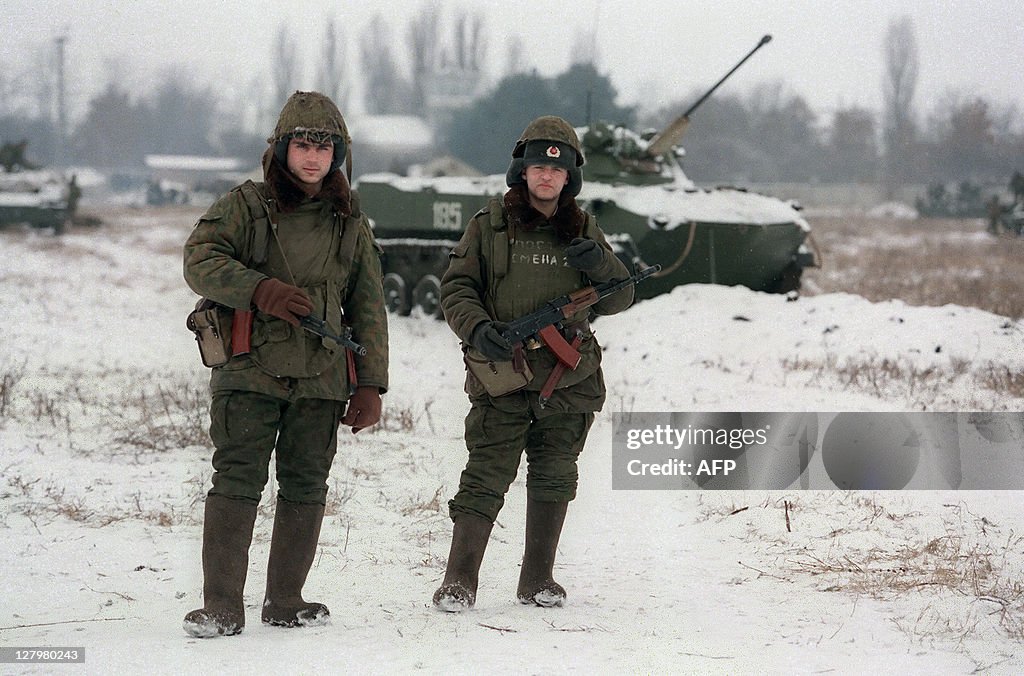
(444, 165)
(184, 179)
(192, 168)
(450, 90)
(390, 143)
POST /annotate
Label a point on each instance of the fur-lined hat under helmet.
(548, 140)
(313, 117)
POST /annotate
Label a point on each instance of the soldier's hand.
(584, 254)
(282, 300)
(488, 341)
(363, 409)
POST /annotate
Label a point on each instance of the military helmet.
(549, 128)
(548, 140)
(313, 117)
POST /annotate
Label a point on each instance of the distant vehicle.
(1013, 220)
(41, 198)
(634, 184)
(1009, 218)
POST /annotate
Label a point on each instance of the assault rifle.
(241, 333)
(545, 322)
(320, 328)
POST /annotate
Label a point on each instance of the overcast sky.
(830, 52)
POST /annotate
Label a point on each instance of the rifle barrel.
(319, 327)
(611, 287)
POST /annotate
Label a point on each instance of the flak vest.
(525, 270)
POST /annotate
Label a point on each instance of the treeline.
(769, 134)
(120, 128)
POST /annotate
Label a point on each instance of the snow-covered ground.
(104, 466)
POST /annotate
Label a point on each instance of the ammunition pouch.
(498, 378)
(211, 324)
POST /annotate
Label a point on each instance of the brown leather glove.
(363, 408)
(282, 300)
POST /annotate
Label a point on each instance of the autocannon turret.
(616, 154)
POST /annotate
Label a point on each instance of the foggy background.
(868, 91)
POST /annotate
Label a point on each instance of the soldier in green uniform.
(294, 245)
(522, 250)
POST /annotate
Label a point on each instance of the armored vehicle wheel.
(427, 296)
(396, 294)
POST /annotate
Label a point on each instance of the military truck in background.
(635, 186)
(38, 197)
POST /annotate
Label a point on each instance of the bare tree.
(898, 85)
(180, 116)
(474, 43)
(515, 56)
(963, 130)
(26, 88)
(387, 92)
(423, 48)
(786, 130)
(285, 68)
(584, 47)
(852, 149)
(6, 91)
(112, 134)
(331, 78)
(43, 87)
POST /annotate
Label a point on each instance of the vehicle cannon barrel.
(673, 133)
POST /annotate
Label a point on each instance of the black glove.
(584, 254)
(488, 341)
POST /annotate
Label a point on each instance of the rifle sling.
(567, 355)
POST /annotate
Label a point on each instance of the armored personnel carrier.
(31, 195)
(1013, 219)
(1009, 218)
(634, 184)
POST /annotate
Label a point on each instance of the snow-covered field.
(104, 465)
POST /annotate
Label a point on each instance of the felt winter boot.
(227, 533)
(292, 548)
(469, 541)
(543, 528)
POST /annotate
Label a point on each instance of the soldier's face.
(545, 182)
(309, 162)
